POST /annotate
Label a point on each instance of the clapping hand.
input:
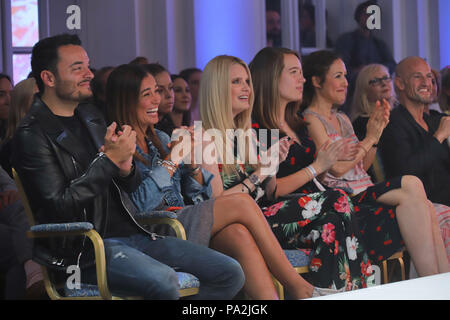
(270, 156)
(378, 120)
(120, 147)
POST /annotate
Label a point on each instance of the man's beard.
(413, 96)
(69, 95)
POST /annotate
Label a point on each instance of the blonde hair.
(21, 99)
(361, 106)
(216, 106)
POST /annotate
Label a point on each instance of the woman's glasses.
(377, 81)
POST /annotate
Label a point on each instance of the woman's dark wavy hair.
(122, 99)
(317, 64)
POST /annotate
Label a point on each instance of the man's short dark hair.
(45, 55)
(361, 8)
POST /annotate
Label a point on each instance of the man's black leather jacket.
(62, 181)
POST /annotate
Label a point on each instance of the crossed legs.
(418, 225)
(255, 246)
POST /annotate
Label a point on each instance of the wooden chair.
(189, 284)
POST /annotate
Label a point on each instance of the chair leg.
(385, 272)
(279, 288)
(402, 268)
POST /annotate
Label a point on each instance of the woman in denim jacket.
(233, 224)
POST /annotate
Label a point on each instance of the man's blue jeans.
(140, 266)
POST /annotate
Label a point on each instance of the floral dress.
(376, 222)
(321, 221)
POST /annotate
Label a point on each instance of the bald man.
(415, 142)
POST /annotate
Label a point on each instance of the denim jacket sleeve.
(194, 190)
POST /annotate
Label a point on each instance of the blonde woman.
(321, 220)
(374, 83)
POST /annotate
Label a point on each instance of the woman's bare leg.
(416, 225)
(237, 242)
(443, 264)
(242, 209)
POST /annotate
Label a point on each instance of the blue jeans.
(139, 266)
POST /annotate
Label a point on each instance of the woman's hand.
(277, 153)
(330, 153)
(378, 120)
(182, 145)
(349, 150)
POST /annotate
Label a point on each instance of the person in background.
(193, 76)
(6, 87)
(98, 86)
(444, 96)
(180, 114)
(21, 99)
(361, 47)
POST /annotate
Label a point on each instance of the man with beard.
(273, 28)
(415, 142)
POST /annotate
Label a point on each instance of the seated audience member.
(98, 87)
(436, 89)
(372, 84)
(21, 99)
(139, 60)
(5, 100)
(402, 197)
(180, 114)
(415, 142)
(444, 95)
(75, 169)
(231, 224)
(165, 90)
(21, 273)
(193, 77)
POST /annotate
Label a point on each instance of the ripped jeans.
(139, 266)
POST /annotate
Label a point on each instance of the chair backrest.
(378, 169)
(24, 198)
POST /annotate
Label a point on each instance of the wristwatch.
(255, 180)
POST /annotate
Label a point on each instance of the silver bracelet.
(312, 170)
